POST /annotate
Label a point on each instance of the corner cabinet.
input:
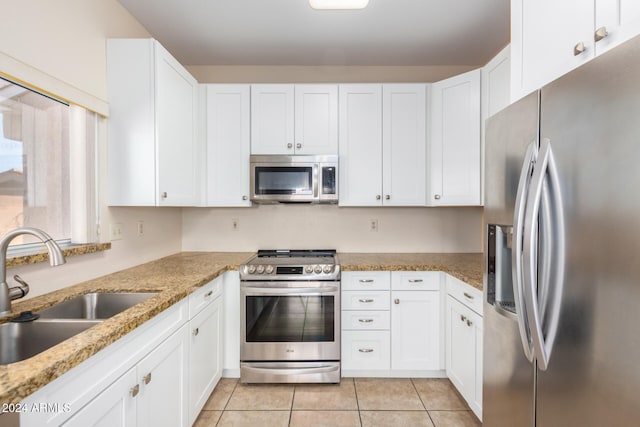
(454, 147)
(382, 132)
(225, 128)
(550, 38)
(294, 119)
(152, 148)
(464, 341)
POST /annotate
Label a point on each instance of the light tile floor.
(355, 402)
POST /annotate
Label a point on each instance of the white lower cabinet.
(464, 343)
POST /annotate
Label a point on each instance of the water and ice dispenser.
(499, 276)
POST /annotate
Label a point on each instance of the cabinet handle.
(463, 318)
(244, 197)
(378, 197)
(415, 280)
(135, 390)
(298, 145)
(196, 331)
(468, 296)
(366, 350)
(208, 294)
(600, 34)
(365, 320)
(469, 322)
(437, 197)
(578, 49)
(387, 197)
(365, 300)
(147, 378)
(164, 194)
(289, 145)
(366, 280)
(396, 301)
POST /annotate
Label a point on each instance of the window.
(39, 137)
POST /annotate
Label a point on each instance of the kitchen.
(172, 230)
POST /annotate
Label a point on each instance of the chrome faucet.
(8, 294)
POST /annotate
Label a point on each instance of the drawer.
(466, 294)
(416, 280)
(365, 300)
(366, 320)
(366, 280)
(366, 350)
(205, 295)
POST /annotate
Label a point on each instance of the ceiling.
(290, 32)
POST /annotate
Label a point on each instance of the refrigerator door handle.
(516, 253)
(544, 193)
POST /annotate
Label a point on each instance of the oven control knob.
(317, 269)
(260, 269)
(251, 269)
(327, 269)
(308, 269)
(268, 269)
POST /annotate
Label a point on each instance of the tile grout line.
(422, 401)
(235, 385)
(355, 390)
(293, 398)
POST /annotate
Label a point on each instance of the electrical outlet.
(140, 228)
(235, 224)
(115, 231)
(373, 225)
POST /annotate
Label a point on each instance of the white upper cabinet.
(382, 144)
(294, 119)
(550, 38)
(454, 146)
(226, 121)
(360, 130)
(404, 126)
(153, 149)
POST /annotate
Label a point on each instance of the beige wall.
(65, 40)
(321, 74)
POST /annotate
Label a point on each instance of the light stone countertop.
(174, 278)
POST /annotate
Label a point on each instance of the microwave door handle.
(519, 214)
(315, 181)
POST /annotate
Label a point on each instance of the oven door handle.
(289, 291)
(292, 371)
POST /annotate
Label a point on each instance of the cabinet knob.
(298, 145)
(578, 49)
(463, 318)
(437, 197)
(135, 390)
(244, 197)
(164, 194)
(378, 197)
(196, 331)
(469, 322)
(387, 197)
(289, 145)
(147, 378)
(600, 34)
(396, 301)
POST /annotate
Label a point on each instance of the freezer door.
(592, 120)
(508, 376)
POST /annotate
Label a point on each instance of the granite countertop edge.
(174, 278)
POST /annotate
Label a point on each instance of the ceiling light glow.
(338, 4)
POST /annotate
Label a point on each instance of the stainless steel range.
(290, 317)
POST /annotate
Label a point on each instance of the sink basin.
(20, 341)
(96, 305)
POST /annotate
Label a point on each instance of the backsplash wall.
(330, 226)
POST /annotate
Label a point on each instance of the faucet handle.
(20, 291)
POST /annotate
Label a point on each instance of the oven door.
(286, 321)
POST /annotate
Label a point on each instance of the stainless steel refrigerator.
(562, 270)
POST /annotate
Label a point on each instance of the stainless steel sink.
(20, 341)
(96, 305)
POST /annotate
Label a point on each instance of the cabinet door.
(316, 119)
(113, 407)
(228, 145)
(272, 119)
(163, 383)
(360, 130)
(544, 34)
(454, 155)
(415, 330)
(176, 143)
(620, 19)
(404, 144)
(205, 356)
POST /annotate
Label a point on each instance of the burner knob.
(269, 269)
(252, 269)
(327, 269)
(260, 269)
(317, 269)
(308, 269)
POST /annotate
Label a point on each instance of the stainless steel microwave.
(294, 179)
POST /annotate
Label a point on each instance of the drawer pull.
(366, 280)
(366, 300)
(415, 280)
(208, 294)
(463, 318)
(196, 331)
(468, 296)
(135, 390)
(365, 320)
(469, 322)
(147, 378)
(366, 350)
